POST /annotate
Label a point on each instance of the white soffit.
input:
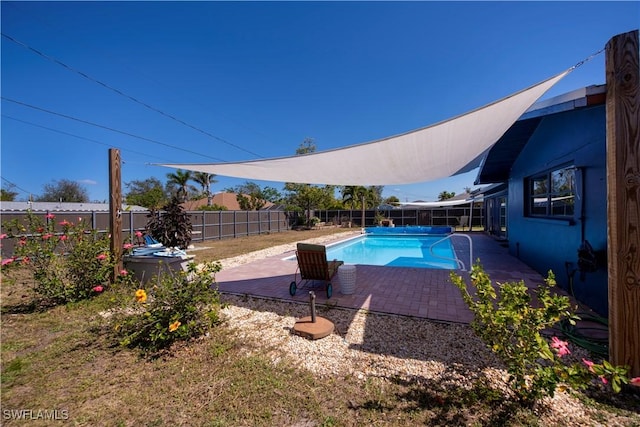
(434, 152)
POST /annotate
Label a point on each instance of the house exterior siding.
(576, 138)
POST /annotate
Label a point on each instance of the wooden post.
(115, 209)
(623, 199)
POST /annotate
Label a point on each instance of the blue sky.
(233, 81)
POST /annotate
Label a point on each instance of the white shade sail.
(438, 151)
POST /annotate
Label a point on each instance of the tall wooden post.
(623, 199)
(115, 209)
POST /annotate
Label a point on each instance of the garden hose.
(597, 346)
(577, 335)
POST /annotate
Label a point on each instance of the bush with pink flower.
(507, 321)
(67, 261)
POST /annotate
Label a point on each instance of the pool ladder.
(456, 260)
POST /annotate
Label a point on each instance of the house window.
(553, 193)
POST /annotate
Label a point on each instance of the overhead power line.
(81, 137)
(119, 92)
(108, 128)
(14, 185)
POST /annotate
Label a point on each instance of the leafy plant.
(172, 227)
(180, 306)
(507, 321)
(68, 262)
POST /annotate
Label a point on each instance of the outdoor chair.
(313, 266)
(463, 222)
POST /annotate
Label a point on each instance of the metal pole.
(312, 302)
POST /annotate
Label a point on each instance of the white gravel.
(366, 345)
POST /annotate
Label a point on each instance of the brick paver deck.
(415, 292)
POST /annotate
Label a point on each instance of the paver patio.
(417, 292)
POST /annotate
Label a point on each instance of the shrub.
(511, 326)
(180, 306)
(68, 264)
(173, 227)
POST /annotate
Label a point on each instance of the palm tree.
(358, 196)
(181, 179)
(205, 180)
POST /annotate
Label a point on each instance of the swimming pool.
(395, 250)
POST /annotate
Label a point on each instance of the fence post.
(131, 225)
(204, 225)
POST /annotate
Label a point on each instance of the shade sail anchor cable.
(587, 59)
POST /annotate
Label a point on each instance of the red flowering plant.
(507, 321)
(67, 261)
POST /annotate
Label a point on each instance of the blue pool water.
(395, 251)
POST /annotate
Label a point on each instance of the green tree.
(353, 196)
(361, 197)
(251, 197)
(271, 194)
(205, 180)
(180, 179)
(7, 194)
(392, 200)
(64, 190)
(148, 193)
(306, 196)
(445, 195)
(306, 147)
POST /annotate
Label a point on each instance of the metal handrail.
(457, 261)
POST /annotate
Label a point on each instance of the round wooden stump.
(308, 329)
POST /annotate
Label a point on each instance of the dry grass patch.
(214, 250)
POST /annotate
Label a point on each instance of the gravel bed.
(366, 344)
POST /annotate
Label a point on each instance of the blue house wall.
(576, 137)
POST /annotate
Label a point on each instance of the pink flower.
(3, 235)
(47, 236)
(138, 233)
(127, 246)
(589, 364)
(603, 379)
(123, 272)
(98, 289)
(25, 260)
(101, 257)
(7, 261)
(22, 242)
(65, 223)
(50, 216)
(560, 346)
(635, 381)
(63, 237)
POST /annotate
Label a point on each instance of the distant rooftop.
(61, 207)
